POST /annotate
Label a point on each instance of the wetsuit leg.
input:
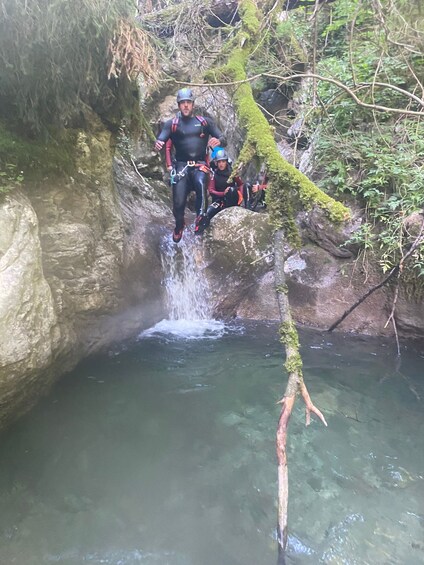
(200, 181)
(231, 198)
(247, 194)
(180, 192)
(214, 208)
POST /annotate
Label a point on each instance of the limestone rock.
(316, 227)
(321, 287)
(79, 269)
(239, 251)
(29, 334)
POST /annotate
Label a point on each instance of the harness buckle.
(191, 163)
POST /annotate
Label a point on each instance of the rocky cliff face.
(79, 269)
(323, 277)
(29, 330)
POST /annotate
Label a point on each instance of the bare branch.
(341, 85)
(395, 271)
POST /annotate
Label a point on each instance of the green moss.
(294, 364)
(288, 335)
(146, 127)
(35, 157)
(249, 17)
(282, 289)
(246, 155)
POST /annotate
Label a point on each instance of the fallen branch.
(362, 298)
(295, 384)
(262, 258)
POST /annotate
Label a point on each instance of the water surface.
(164, 453)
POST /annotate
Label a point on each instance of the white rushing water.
(187, 292)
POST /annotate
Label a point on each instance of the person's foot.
(177, 234)
(201, 223)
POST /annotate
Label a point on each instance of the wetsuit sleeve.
(168, 155)
(212, 189)
(214, 131)
(165, 133)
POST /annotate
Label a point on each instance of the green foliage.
(373, 157)
(55, 58)
(10, 178)
(334, 26)
(293, 29)
(384, 169)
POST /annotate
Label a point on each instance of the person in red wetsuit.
(224, 193)
(190, 135)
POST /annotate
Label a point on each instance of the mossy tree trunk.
(295, 384)
(286, 183)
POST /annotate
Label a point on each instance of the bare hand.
(159, 144)
(213, 142)
(169, 169)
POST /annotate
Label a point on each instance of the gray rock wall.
(324, 279)
(29, 330)
(79, 269)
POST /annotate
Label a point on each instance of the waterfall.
(187, 292)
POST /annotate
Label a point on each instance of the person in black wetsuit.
(254, 194)
(190, 135)
(224, 193)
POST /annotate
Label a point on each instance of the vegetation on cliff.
(373, 151)
(61, 61)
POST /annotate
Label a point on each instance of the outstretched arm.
(164, 135)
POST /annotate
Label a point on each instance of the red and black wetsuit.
(254, 198)
(190, 138)
(217, 186)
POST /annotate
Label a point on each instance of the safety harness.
(201, 119)
(176, 177)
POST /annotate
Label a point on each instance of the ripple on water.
(117, 557)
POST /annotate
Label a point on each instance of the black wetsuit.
(217, 186)
(190, 140)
